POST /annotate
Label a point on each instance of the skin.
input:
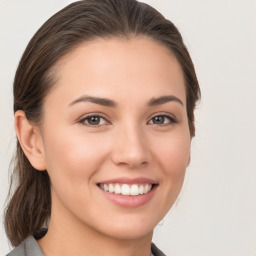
(127, 143)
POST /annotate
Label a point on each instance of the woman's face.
(115, 137)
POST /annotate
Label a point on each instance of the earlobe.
(30, 140)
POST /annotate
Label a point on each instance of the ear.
(30, 140)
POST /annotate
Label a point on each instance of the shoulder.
(29, 247)
(155, 251)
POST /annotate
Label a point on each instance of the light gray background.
(216, 211)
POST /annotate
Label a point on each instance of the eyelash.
(84, 120)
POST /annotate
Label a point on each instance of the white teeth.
(135, 190)
(146, 188)
(105, 187)
(141, 189)
(111, 188)
(126, 190)
(117, 189)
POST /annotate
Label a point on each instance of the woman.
(104, 97)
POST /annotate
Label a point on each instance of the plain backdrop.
(215, 214)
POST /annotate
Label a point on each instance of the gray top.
(30, 247)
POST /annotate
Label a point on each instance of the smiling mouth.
(127, 189)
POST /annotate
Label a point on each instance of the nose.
(130, 147)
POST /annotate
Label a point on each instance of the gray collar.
(30, 247)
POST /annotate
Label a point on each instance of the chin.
(130, 228)
(131, 234)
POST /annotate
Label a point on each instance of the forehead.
(119, 68)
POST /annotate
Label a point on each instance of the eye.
(94, 120)
(162, 120)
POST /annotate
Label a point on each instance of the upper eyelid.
(171, 119)
(94, 114)
(163, 114)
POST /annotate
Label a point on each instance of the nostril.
(130, 148)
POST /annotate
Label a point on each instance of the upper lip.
(126, 180)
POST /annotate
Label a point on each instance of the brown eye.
(93, 120)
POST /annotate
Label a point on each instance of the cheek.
(172, 156)
(175, 153)
(72, 162)
(74, 158)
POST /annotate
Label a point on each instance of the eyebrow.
(101, 101)
(164, 99)
(110, 103)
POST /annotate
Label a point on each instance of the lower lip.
(130, 201)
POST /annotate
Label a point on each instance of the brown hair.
(30, 205)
